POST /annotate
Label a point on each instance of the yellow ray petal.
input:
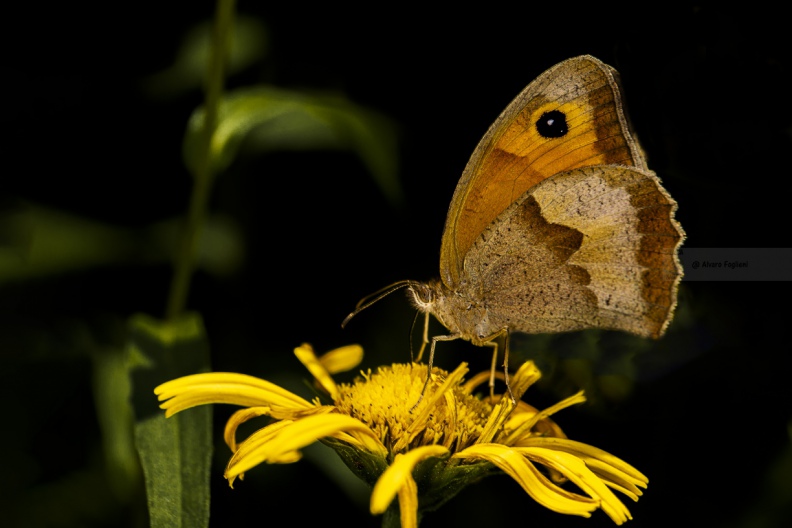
(584, 450)
(500, 413)
(478, 379)
(232, 378)
(243, 415)
(532, 481)
(294, 414)
(393, 478)
(408, 504)
(260, 437)
(342, 359)
(616, 479)
(307, 357)
(524, 430)
(237, 419)
(577, 472)
(295, 436)
(609, 467)
(541, 426)
(525, 376)
(224, 387)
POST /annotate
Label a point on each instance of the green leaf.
(112, 389)
(38, 242)
(176, 452)
(249, 43)
(269, 118)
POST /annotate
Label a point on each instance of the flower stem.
(204, 174)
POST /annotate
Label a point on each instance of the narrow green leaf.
(269, 118)
(176, 452)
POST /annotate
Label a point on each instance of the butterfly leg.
(493, 342)
(494, 346)
(425, 339)
(505, 331)
(435, 339)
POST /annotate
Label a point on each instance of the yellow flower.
(426, 455)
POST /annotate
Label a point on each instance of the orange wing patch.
(514, 155)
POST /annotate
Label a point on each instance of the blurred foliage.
(39, 243)
(249, 44)
(266, 118)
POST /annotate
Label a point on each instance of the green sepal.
(367, 466)
(440, 479)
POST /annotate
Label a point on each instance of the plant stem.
(204, 172)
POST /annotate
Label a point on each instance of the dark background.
(706, 414)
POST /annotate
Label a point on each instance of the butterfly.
(556, 225)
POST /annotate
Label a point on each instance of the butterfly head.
(422, 295)
(432, 298)
(458, 310)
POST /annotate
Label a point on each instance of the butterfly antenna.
(368, 300)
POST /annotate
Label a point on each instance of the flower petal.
(478, 379)
(616, 473)
(408, 504)
(577, 472)
(307, 357)
(524, 430)
(294, 436)
(224, 387)
(500, 413)
(542, 426)
(526, 375)
(398, 474)
(258, 438)
(243, 415)
(532, 481)
(524, 378)
(615, 479)
(237, 419)
(342, 359)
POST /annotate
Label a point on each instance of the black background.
(708, 92)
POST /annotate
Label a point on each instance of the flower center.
(383, 400)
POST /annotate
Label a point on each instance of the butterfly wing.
(589, 248)
(571, 116)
